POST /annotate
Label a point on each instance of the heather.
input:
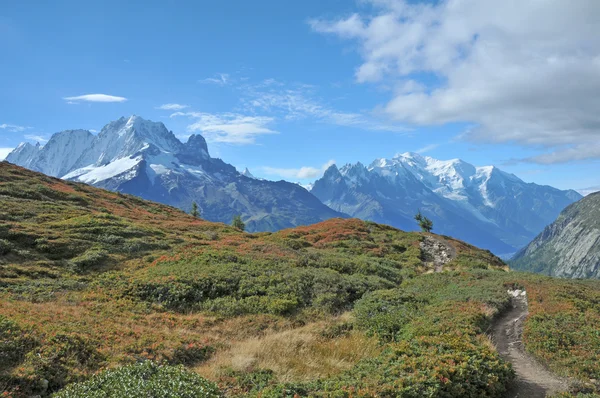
(98, 289)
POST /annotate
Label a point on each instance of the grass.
(91, 281)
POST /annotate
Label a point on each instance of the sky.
(286, 88)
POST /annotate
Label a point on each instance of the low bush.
(143, 380)
(63, 359)
(15, 342)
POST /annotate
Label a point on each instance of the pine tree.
(238, 223)
(425, 223)
(195, 212)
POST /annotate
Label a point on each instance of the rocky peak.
(197, 144)
(332, 173)
(247, 173)
(24, 154)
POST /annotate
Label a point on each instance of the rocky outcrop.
(569, 247)
(436, 253)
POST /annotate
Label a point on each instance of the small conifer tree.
(425, 223)
(195, 212)
(238, 223)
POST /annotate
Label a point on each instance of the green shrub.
(385, 312)
(5, 247)
(63, 359)
(15, 342)
(143, 380)
(252, 381)
(90, 259)
(191, 354)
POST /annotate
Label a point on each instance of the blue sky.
(287, 87)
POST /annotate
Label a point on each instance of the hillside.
(92, 280)
(570, 246)
(140, 157)
(484, 206)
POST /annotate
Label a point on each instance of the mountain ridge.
(570, 246)
(144, 158)
(482, 205)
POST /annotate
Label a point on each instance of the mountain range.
(484, 206)
(481, 205)
(144, 158)
(570, 246)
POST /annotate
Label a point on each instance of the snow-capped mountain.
(247, 173)
(482, 205)
(24, 154)
(140, 157)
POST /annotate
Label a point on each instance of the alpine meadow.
(285, 199)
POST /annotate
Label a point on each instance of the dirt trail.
(532, 379)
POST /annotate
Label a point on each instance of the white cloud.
(569, 154)
(221, 79)
(590, 190)
(93, 131)
(304, 172)
(34, 137)
(526, 72)
(299, 101)
(427, 148)
(13, 128)
(94, 98)
(4, 152)
(172, 107)
(232, 128)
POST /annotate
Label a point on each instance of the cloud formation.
(231, 128)
(299, 101)
(526, 72)
(221, 79)
(13, 128)
(304, 172)
(35, 137)
(94, 98)
(427, 148)
(4, 152)
(172, 107)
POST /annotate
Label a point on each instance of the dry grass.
(299, 354)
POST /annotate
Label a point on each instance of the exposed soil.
(532, 379)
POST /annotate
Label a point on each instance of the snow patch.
(93, 174)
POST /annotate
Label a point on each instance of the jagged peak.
(332, 173)
(69, 133)
(197, 141)
(408, 155)
(247, 173)
(353, 169)
(23, 145)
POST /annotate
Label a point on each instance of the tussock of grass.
(298, 354)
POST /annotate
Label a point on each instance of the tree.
(238, 223)
(425, 223)
(195, 212)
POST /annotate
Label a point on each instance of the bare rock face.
(569, 247)
(437, 252)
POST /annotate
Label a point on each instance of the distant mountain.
(570, 246)
(140, 157)
(481, 205)
(247, 173)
